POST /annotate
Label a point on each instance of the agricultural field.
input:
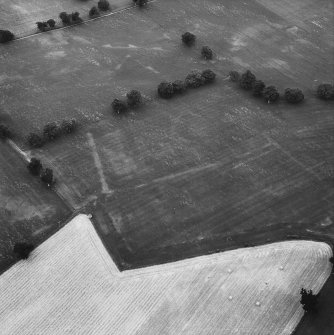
(210, 170)
(93, 296)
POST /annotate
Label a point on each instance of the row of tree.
(6, 36)
(35, 167)
(133, 100)
(194, 79)
(47, 25)
(51, 131)
(5, 132)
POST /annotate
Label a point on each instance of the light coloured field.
(70, 285)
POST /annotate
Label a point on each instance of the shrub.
(270, 94)
(179, 86)
(35, 141)
(207, 52)
(234, 76)
(188, 38)
(119, 106)
(51, 131)
(23, 250)
(47, 176)
(103, 5)
(209, 76)
(165, 90)
(42, 26)
(6, 36)
(258, 87)
(293, 95)
(4, 132)
(68, 126)
(51, 23)
(194, 79)
(65, 18)
(247, 80)
(309, 301)
(75, 17)
(35, 166)
(325, 91)
(134, 98)
(94, 12)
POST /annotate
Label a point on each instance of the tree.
(6, 36)
(68, 126)
(94, 12)
(309, 301)
(179, 86)
(188, 38)
(270, 94)
(134, 98)
(234, 76)
(51, 131)
(293, 95)
(325, 91)
(65, 18)
(247, 80)
(23, 250)
(47, 176)
(42, 26)
(207, 52)
(258, 87)
(209, 76)
(194, 79)
(4, 132)
(103, 5)
(76, 17)
(35, 141)
(165, 90)
(51, 23)
(119, 106)
(35, 166)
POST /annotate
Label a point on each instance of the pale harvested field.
(70, 285)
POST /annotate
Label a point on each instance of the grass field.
(255, 290)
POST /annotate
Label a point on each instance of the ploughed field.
(245, 291)
(210, 170)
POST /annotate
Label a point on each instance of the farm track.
(248, 287)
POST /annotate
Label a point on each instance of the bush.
(209, 76)
(194, 79)
(188, 38)
(35, 166)
(293, 95)
(68, 126)
(234, 76)
(134, 98)
(4, 132)
(94, 12)
(47, 176)
(271, 94)
(309, 301)
(247, 80)
(65, 18)
(23, 250)
(42, 26)
(207, 52)
(179, 86)
(75, 17)
(325, 91)
(51, 23)
(258, 87)
(35, 141)
(51, 131)
(103, 5)
(6, 36)
(165, 90)
(119, 106)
